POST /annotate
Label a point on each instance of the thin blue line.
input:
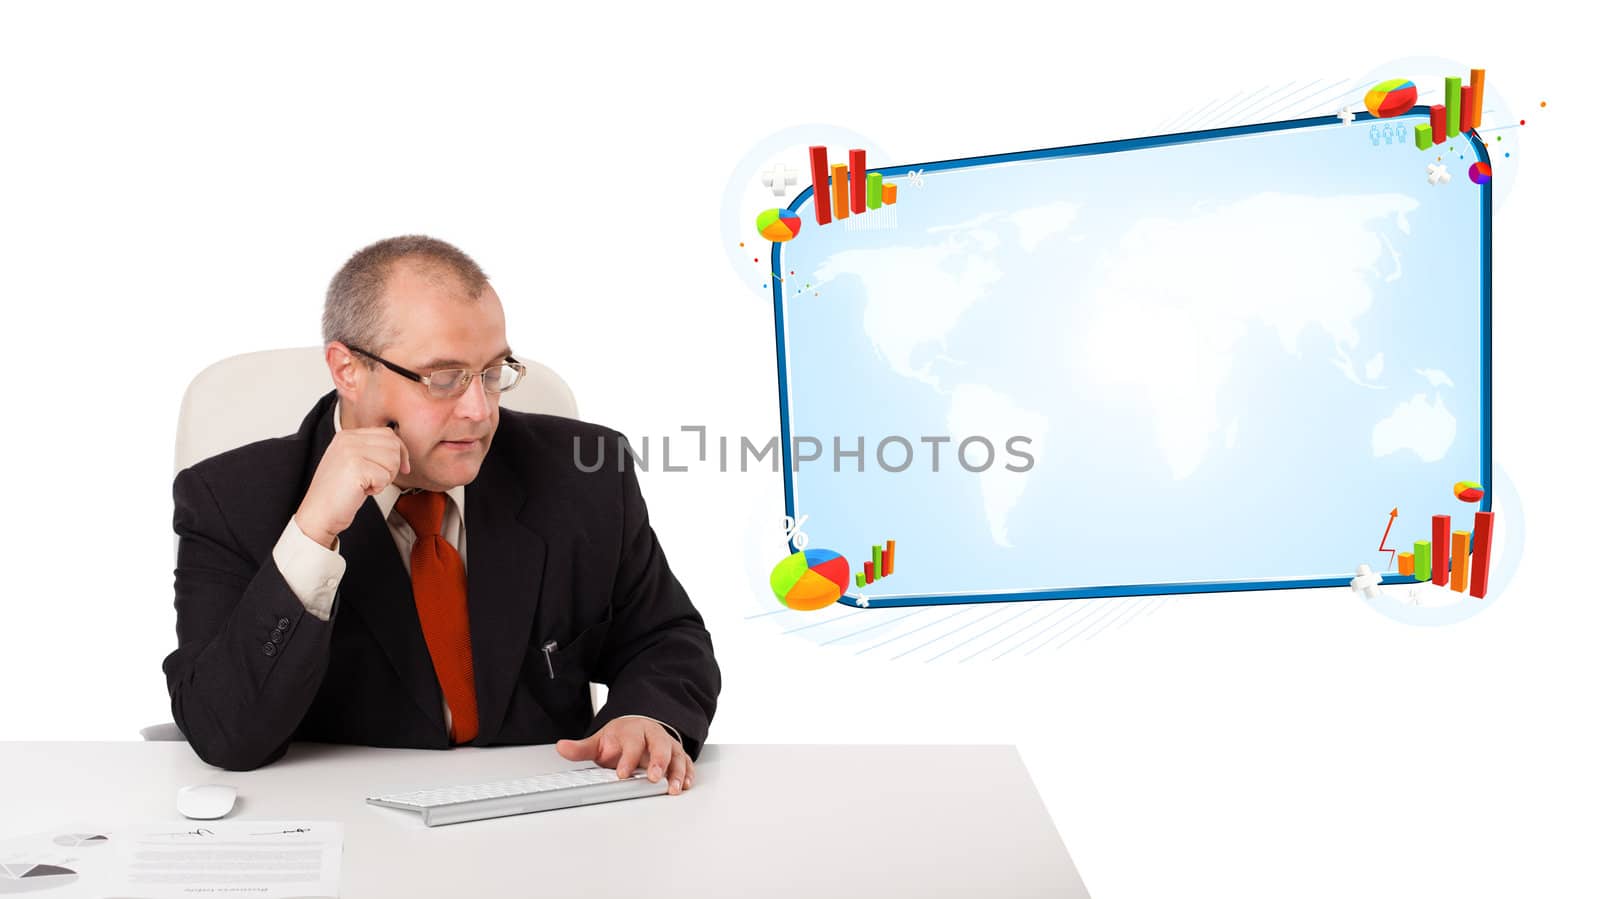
(1070, 617)
(1102, 612)
(1284, 103)
(1247, 112)
(1061, 607)
(915, 629)
(796, 630)
(942, 636)
(1193, 115)
(1019, 630)
(1122, 616)
(873, 627)
(982, 633)
(1306, 102)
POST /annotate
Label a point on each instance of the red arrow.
(1383, 549)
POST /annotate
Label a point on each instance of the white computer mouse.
(206, 802)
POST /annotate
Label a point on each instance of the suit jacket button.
(283, 624)
(268, 649)
(277, 636)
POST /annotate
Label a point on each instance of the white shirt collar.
(391, 494)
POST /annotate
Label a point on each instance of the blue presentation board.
(1188, 363)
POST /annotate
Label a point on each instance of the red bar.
(858, 181)
(1441, 546)
(1436, 117)
(1466, 108)
(868, 565)
(819, 184)
(1482, 536)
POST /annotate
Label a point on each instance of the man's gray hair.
(353, 312)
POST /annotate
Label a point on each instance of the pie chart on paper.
(31, 878)
(811, 579)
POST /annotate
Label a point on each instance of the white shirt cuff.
(311, 570)
(669, 728)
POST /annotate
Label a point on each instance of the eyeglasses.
(452, 382)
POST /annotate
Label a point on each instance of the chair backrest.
(251, 397)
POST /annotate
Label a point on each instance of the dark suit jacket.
(554, 554)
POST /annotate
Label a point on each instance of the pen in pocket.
(549, 648)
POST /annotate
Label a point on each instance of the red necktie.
(439, 582)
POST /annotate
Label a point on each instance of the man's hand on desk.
(629, 743)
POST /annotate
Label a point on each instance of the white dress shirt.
(313, 571)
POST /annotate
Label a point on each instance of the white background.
(178, 184)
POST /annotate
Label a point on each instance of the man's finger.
(405, 454)
(661, 747)
(579, 750)
(677, 773)
(632, 749)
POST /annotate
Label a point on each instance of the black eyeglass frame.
(462, 383)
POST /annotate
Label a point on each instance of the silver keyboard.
(540, 793)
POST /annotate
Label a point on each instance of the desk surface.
(780, 821)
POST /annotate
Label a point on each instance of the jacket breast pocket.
(576, 658)
(558, 674)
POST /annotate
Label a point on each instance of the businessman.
(416, 567)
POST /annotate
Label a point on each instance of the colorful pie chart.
(1468, 491)
(778, 225)
(1392, 97)
(1480, 173)
(811, 579)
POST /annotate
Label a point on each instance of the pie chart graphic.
(778, 225)
(75, 840)
(811, 579)
(1390, 98)
(30, 878)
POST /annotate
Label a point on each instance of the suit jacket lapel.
(377, 589)
(505, 571)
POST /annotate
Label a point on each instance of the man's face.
(436, 326)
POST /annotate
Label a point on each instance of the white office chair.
(251, 397)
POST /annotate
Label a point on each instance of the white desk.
(801, 821)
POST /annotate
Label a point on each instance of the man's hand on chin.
(629, 743)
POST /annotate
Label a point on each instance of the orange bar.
(890, 191)
(1477, 98)
(1458, 560)
(888, 560)
(1405, 564)
(841, 192)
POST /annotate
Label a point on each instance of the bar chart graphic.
(1461, 111)
(1453, 558)
(880, 567)
(840, 190)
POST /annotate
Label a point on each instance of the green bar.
(861, 579)
(1424, 137)
(1452, 107)
(1421, 555)
(877, 561)
(874, 190)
